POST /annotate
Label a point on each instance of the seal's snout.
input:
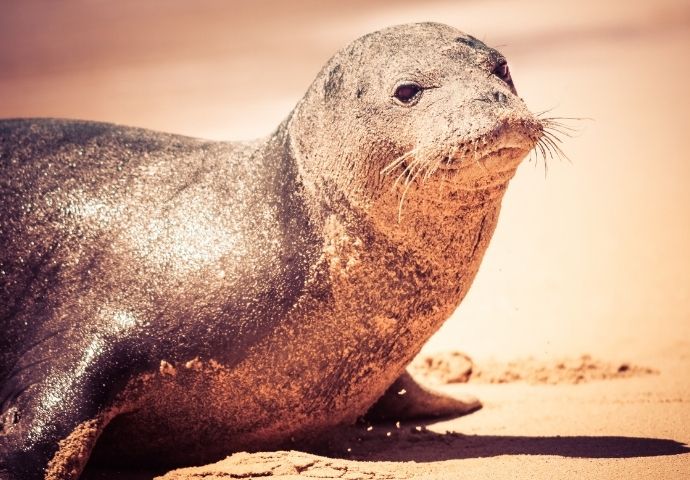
(498, 148)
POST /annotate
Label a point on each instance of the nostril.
(502, 71)
(500, 97)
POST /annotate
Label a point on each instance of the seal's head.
(409, 108)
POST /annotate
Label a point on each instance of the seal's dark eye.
(407, 92)
(502, 71)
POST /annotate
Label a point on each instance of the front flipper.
(406, 399)
(55, 409)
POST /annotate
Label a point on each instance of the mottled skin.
(221, 296)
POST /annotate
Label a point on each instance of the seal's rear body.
(121, 248)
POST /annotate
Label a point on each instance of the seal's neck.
(321, 201)
(441, 224)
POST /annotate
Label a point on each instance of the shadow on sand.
(408, 443)
(427, 446)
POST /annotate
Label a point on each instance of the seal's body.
(221, 296)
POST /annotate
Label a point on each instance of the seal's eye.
(502, 71)
(407, 92)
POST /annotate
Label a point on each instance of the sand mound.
(455, 367)
(441, 368)
(284, 465)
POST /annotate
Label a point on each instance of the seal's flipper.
(406, 399)
(52, 416)
(29, 449)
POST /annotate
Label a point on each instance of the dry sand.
(593, 260)
(633, 424)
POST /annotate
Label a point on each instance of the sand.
(631, 424)
(591, 259)
(456, 367)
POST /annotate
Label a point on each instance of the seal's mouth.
(498, 150)
(487, 158)
(484, 162)
(495, 160)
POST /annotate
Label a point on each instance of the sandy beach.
(590, 256)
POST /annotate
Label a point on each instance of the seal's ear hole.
(406, 92)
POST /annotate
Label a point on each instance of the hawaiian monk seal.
(218, 296)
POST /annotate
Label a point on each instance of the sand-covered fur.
(224, 296)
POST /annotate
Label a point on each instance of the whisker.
(546, 145)
(543, 112)
(408, 183)
(392, 165)
(546, 163)
(447, 159)
(430, 169)
(568, 118)
(563, 130)
(477, 159)
(552, 135)
(559, 152)
(434, 166)
(561, 125)
(536, 155)
(541, 149)
(404, 173)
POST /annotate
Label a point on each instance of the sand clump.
(456, 367)
(283, 465)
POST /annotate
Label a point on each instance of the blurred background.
(592, 257)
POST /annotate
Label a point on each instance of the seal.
(159, 290)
